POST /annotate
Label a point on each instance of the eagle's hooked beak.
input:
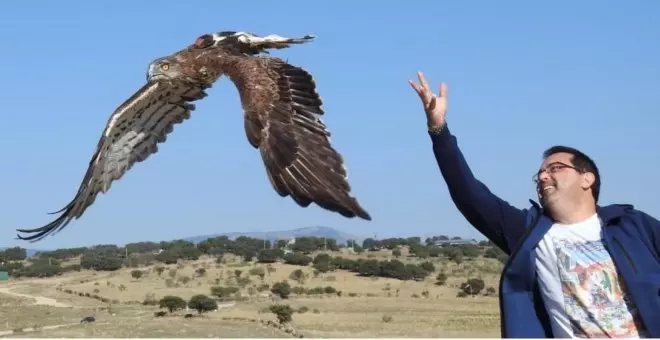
(151, 71)
(157, 70)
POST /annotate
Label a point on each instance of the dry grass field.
(367, 307)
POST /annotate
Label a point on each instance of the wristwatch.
(436, 130)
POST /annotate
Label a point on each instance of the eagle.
(282, 119)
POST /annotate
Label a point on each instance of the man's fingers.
(422, 80)
(420, 91)
(424, 91)
(415, 86)
(443, 90)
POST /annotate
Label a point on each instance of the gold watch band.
(436, 130)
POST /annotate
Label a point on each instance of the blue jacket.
(631, 237)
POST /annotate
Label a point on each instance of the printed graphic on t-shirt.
(593, 295)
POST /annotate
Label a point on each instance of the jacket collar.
(606, 213)
(612, 212)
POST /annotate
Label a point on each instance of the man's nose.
(543, 176)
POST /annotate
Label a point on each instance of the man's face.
(558, 180)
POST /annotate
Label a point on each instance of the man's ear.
(588, 180)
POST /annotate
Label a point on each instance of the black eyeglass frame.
(554, 168)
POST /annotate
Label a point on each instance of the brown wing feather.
(131, 135)
(282, 119)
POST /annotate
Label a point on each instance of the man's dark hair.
(581, 161)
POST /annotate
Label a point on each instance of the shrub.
(258, 271)
(441, 279)
(222, 292)
(184, 279)
(297, 258)
(473, 286)
(283, 289)
(490, 291)
(298, 275)
(323, 263)
(282, 312)
(427, 266)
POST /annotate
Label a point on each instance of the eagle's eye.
(165, 67)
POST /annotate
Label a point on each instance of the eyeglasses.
(553, 168)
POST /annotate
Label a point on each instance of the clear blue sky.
(522, 76)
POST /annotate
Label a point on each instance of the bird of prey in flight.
(282, 119)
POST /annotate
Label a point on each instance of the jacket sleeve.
(653, 226)
(495, 218)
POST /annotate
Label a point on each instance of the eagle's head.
(185, 67)
(164, 68)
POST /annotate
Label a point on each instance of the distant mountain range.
(318, 231)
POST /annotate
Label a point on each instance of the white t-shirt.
(580, 287)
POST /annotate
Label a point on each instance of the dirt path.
(39, 300)
(30, 329)
(44, 328)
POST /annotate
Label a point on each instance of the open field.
(367, 307)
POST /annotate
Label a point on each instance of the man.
(576, 269)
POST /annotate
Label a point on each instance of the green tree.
(416, 272)
(370, 244)
(369, 268)
(269, 255)
(13, 254)
(172, 303)
(42, 268)
(167, 257)
(297, 258)
(202, 303)
(102, 259)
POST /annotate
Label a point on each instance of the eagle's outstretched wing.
(132, 134)
(282, 119)
(247, 43)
